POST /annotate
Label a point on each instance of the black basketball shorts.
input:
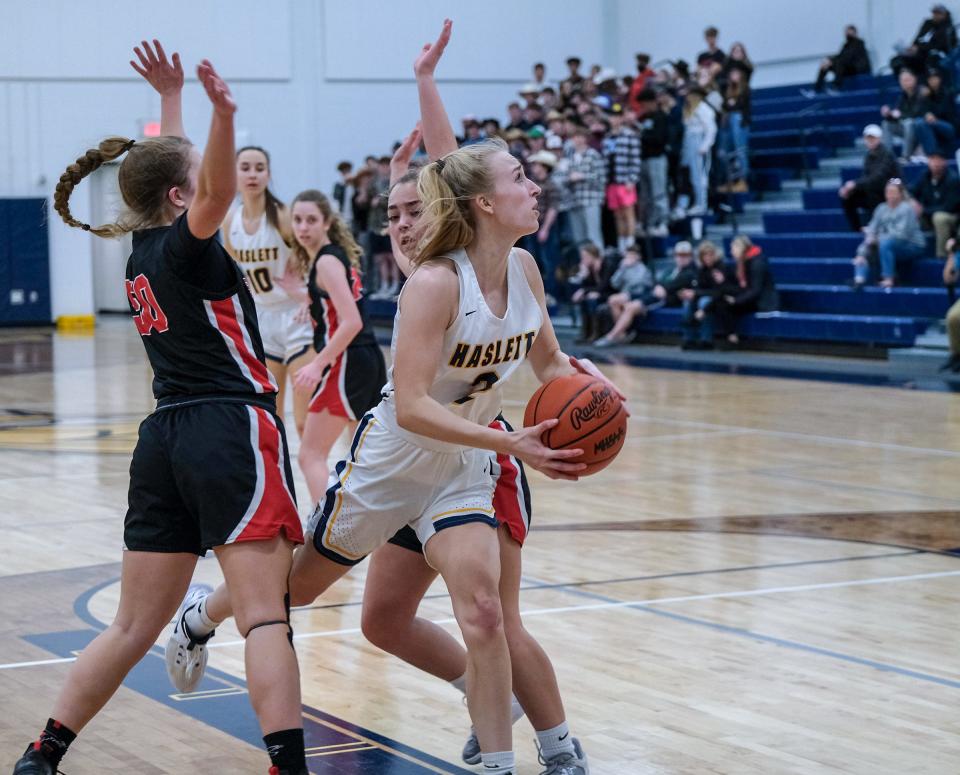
(208, 474)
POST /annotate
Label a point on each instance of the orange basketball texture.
(591, 416)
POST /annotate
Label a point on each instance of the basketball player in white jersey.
(389, 609)
(472, 311)
(258, 234)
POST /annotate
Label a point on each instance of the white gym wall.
(318, 81)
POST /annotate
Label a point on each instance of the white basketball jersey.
(480, 351)
(262, 256)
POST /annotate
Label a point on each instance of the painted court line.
(606, 604)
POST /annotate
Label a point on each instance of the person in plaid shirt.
(622, 149)
(582, 174)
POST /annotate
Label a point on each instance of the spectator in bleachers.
(536, 139)
(545, 244)
(540, 75)
(654, 141)
(866, 192)
(936, 198)
(679, 277)
(380, 248)
(892, 237)
(713, 58)
(529, 94)
(572, 83)
(936, 35)
(699, 133)
(343, 192)
(632, 286)
(711, 282)
(515, 117)
(622, 153)
(490, 127)
(590, 288)
(583, 173)
(898, 121)
(851, 60)
(950, 277)
(472, 132)
(734, 136)
(753, 288)
(935, 128)
(737, 59)
(643, 79)
(548, 98)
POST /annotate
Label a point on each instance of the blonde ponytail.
(446, 187)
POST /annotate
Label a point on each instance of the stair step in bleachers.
(822, 137)
(886, 331)
(866, 98)
(825, 245)
(786, 158)
(927, 273)
(856, 83)
(803, 221)
(910, 173)
(840, 299)
(855, 116)
(821, 198)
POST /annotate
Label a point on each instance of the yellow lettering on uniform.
(459, 355)
(496, 354)
(487, 355)
(475, 356)
(508, 350)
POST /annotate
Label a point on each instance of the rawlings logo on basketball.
(609, 441)
(599, 405)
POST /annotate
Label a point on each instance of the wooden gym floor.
(766, 581)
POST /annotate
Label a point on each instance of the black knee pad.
(272, 622)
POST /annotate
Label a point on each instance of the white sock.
(555, 741)
(197, 620)
(499, 763)
(516, 711)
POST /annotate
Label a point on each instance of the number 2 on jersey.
(147, 315)
(481, 384)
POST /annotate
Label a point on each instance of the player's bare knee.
(482, 617)
(379, 626)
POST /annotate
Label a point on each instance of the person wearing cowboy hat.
(544, 245)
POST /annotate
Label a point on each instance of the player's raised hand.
(166, 76)
(430, 54)
(216, 88)
(400, 162)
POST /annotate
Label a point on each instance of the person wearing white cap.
(866, 192)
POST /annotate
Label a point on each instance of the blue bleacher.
(810, 249)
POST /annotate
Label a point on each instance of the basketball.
(591, 415)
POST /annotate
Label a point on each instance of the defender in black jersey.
(352, 386)
(347, 373)
(211, 468)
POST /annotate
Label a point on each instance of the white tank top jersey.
(480, 352)
(261, 256)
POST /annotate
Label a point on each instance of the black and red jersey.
(196, 316)
(323, 312)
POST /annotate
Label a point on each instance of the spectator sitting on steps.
(936, 199)
(950, 276)
(634, 284)
(866, 192)
(754, 289)
(899, 120)
(852, 59)
(893, 236)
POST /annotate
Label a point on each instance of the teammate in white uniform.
(257, 234)
(471, 312)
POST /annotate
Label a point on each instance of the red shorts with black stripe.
(511, 500)
(351, 387)
(210, 473)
